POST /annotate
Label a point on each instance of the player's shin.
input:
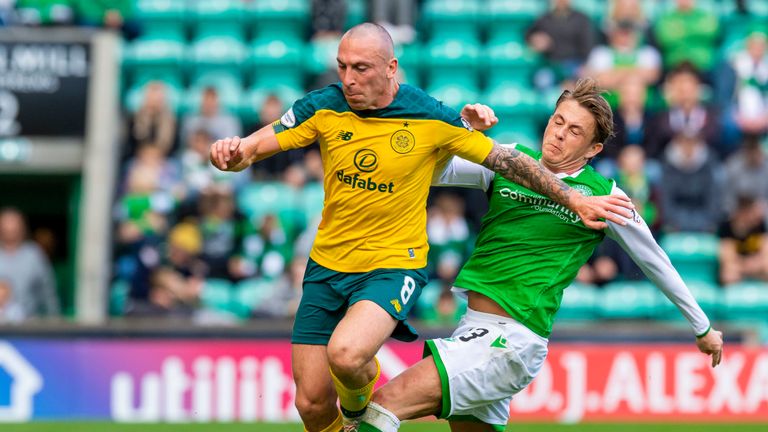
(378, 419)
(336, 426)
(354, 401)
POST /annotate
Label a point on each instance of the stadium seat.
(631, 300)
(509, 62)
(452, 19)
(217, 295)
(161, 16)
(579, 302)
(322, 56)
(746, 301)
(514, 100)
(279, 19)
(357, 10)
(452, 72)
(708, 295)
(508, 20)
(276, 62)
(409, 63)
(694, 255)
(259, 199)
(312, 200)
(517, 129)
(118, 297)
(249, 294)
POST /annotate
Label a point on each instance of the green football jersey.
(530, 248)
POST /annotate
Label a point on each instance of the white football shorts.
(488, 359)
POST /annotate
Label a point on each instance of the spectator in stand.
(42, 12)
(447, 228)
(746, 173)
(328, 18)
(274, 166)
(565, 37)
(397, 17)
(685, 115)
(690, 198)
(165, 288)
(197, 173)
(631, 118)
(751, 68)
(10, 311)
(744, 243)
(110, 14)
(223, 232)
(24, 265)
(626, 10)
(625, 56)
(211, 118)
(153, 124)
(688, 34)
(286, 292)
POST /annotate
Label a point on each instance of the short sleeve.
(466, 143)
(298, 126)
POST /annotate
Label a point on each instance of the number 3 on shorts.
(409, 285)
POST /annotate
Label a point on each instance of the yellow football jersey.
(378, 168)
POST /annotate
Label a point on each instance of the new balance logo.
(344, 135)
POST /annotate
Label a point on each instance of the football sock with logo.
(333, 427)
(378, 419)
(354, 401)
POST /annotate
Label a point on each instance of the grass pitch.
(409, 427)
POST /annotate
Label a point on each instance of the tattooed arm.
(520, 168)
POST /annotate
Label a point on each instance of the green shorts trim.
(327, 294)
(471, 418)
(431, 349)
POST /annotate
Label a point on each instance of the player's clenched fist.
(227, 154)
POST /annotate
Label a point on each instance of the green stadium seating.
(276, 62)
(509, 62)
(410, 62)
(118, 297)
(161, 17)
(322, 56)
(312, 201)
(217, 295)
(279, 19)
(452, 71)
(228, 84)
(357, 10)
(508, 20)
(249, 294)
(579, 302)
(515, 100)
(629, 300)
(259, 199)
(694, 255)
(708, 295)
(746, 301)
(517, 129)
(452, 19)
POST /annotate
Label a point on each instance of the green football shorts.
(328, 294)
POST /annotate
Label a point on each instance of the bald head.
(374, 36)
(367, 67)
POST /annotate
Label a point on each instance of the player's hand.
(480, 117)
(712, 344)
(227, 154)
(614, 208)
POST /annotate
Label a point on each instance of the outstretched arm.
(236, 154)
(636, 239)
(521, 168)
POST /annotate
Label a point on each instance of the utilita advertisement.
(250, 380)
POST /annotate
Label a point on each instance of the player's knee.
(345, 359)
(385, 396)
(313, 406)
